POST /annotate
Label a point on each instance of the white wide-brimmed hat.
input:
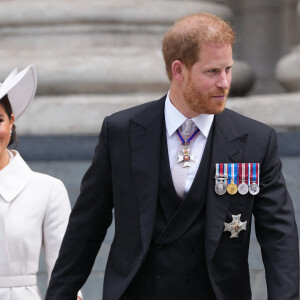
(20, 89)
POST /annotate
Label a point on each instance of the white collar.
(14, 177)
(174, 119)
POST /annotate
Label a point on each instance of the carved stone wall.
(288, 67)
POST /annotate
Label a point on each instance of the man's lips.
(219, 96)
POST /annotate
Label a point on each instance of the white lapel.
(14, 177)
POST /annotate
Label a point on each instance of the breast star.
(236, 226)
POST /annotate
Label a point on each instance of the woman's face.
(6, 125)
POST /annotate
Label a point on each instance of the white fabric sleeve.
(55, 224)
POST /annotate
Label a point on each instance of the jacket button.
(140, 259)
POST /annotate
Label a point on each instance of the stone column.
(266, 33)
(288, 67)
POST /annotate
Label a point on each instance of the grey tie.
(179, 173)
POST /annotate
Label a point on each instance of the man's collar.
(174, 119)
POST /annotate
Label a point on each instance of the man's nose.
(224, 80)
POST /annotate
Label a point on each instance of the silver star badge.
(186, 158)
(236, 226)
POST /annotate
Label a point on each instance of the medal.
(221, 179)
(232, 188)
(254, 179)
(243, 188)
(232, 172)
(253, 189)
(236, 226)
(243, 176)
(220, 188)
(186, 158)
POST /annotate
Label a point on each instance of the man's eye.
(228, 69)
(212, 71)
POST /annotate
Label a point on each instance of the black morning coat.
(124, 177)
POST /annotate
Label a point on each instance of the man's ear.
(177, 70)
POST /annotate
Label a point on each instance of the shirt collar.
(174, 119)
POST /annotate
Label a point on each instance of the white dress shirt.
(174, 120)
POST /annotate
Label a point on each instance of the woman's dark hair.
(4, 102)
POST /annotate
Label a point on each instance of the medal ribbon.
(254, 173)
(225, 171)
(190, 139)
(232, 172)
(249, 174)
(217, 172)
(220, 172)
(243, 172)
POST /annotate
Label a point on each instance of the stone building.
(96, 57)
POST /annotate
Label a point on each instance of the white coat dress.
(34, 211)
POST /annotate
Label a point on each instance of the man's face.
(207, 82)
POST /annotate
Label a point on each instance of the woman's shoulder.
(37, 177)
(42, 179)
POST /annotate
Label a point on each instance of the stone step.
(99, 46)
(280, 111)
(83, 114)
(100, 70)
(68, 26)
(77, 27)
(119, 70)
(39, 12)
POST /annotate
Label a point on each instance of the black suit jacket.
(124, 176)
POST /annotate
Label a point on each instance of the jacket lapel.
(228, 147)
(145, 145)
(14, 178)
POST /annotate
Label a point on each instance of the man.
(170, 169)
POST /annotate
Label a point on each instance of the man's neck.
(177, 99)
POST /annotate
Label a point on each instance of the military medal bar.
(237, 177)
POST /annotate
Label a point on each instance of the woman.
(34, 207)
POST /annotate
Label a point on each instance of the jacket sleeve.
(276, 228)
(55, 223)
(88, 223)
